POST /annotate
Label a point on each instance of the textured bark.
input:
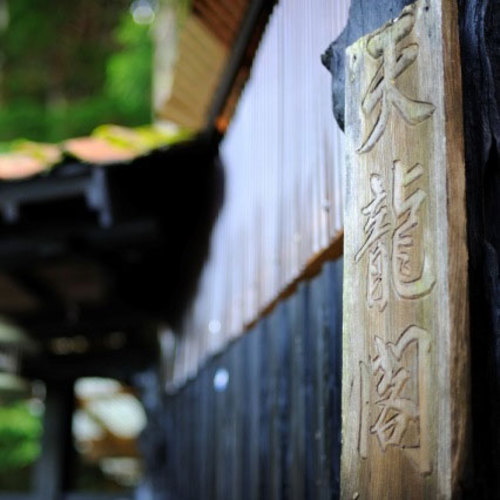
(480, 45)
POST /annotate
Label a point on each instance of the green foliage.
(70, 67)
(182, 9)
(129, 72)
(20, 433)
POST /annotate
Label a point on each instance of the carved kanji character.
(411, 280)
(378, 280)
(383, 45)
(392, 389)
(376, 213)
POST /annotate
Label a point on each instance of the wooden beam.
(313, 267)
(98, 496)
(405, 384)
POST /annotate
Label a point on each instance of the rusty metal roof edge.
(258, 11)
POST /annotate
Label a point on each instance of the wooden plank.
(247, 409)
(221, 429)
(310, 355)
(296, 468)
(283, 358)
(405, 296)
(190, 418)
(168, 419)
(205, 395)
(254, 471)
(211, 457)
(264, 413)
(239, 397)
(313, 267)
(182, 429)
(333, 272)
(278, 402)
(322, 374)
(232, 455)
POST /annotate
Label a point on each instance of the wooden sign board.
(405, 291)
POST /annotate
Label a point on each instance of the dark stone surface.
(365, 16)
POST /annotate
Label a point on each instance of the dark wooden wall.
(275, 431)
(480, 46)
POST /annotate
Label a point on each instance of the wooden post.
(405, 384)
(53, 474)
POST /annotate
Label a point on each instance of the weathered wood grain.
(405, 354)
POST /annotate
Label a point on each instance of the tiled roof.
(107, 144)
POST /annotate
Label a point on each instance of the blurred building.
(183, 282)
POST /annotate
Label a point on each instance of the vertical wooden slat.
(211, 455)
(238, 396)
(204, 460)
(247, 410)
(279, 401)
(194, 443)
(228, 425)
(254, 374)
(282, 359)
(320, 388)
(264, 413)
(333, 302)
(274, 369)
(310, 354)
(296, 464)
(275, 431)
(220, 465)
(175, 445)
